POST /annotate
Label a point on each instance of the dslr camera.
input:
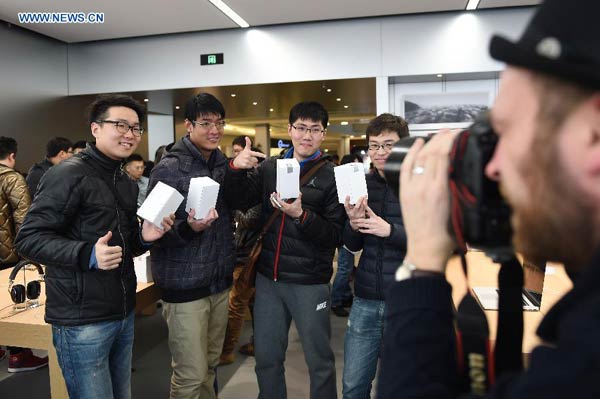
(479, 216)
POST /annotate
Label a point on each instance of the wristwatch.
(409, 270)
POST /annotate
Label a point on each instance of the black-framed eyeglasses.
(124, 127)
(387, 147)
(220, 125)
(312, 130)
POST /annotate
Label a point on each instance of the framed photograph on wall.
(428, 113)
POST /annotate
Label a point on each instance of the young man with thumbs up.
(295, 265)
(83, 227)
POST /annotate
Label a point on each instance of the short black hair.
(203, 104)
(56, 145)
(80, 144)
(348, 158)
(309, 110)
(239, 140)
(8, 146)
(133, 158)
(158, 154)
(389, 122)
(99, 108)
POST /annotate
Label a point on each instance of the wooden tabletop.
(483, 272)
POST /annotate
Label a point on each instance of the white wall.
(387, 46)
(161, 131)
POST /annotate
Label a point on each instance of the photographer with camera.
(547, 161)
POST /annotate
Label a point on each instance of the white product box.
(288, 178)
(350, 181)
(143, 271)
(202, 196)
(162, 201)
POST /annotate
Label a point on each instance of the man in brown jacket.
(14, 203)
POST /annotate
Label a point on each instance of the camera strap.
(478, 363)
(475, 355)
(509, 336)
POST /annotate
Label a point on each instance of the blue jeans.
(95, 359)
(341, 291)
(362, 347)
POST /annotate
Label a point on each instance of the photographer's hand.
(424, 198)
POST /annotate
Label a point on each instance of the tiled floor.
(152, 367)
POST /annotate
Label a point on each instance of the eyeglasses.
(387, 147)
(209, 125)
(124, 127)
(303, 129)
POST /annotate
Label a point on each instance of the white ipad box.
(202, 196)
(162, 201)
(141, 265)
(350, 181)
(288, 178)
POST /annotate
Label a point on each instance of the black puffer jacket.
(35, 175)
(299, 253)
(74, 206)
(381, 256)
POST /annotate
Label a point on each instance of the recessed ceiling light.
(225, 9)
(345, 106)
(338, 99)
(329, 90)
(326, 150)
(146, 100)
(233, 94)
(344, 123)
(254, 103)
(177, 107)
(439, 75)
(472, 5)
(364, 136)
(271, 110)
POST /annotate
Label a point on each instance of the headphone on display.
(18, 292)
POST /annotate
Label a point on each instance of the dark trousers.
(276, 305)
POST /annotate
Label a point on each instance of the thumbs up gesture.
(108, 257)
(247, 159)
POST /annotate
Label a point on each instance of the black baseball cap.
(562, 39)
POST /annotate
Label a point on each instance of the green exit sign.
(211, 59)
